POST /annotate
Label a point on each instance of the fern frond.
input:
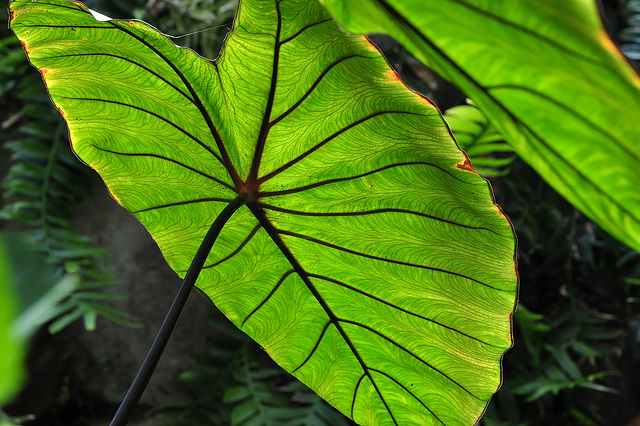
(630, 36)
(42, 185)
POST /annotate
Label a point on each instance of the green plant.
(249, 185)
(630, 36)
(549, 78)
(332, 232)
(581, 314)
(237, 383)
(32, 288)
(43, 183)
(11, 345)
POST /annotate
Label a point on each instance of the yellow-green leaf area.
(547, 76)
(369, 259)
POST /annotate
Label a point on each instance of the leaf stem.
(155, 352)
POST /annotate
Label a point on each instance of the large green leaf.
(547, 75)
(369, 260)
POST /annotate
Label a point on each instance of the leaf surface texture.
(550, 79)
(370, 260)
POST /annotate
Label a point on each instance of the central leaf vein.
(275, 236)
(264, 127)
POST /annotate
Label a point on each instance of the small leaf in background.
(43, 183)
(486, 148)
(12, 345)
(547, 75)
(41, 288)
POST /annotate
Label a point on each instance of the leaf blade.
(342, 264)
(548, 76)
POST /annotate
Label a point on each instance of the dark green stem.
(153, 356)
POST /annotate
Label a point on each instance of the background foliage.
(577, 327)
(43, 183)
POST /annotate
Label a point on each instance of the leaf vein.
(166, 120)
(324, 330)
(355, 391)
(273, 290)
(575, 53)
(327, 140)
(127, 154)
(264, 127)
(237, 250)
(177, 89)
(303, 29)
(586, 207)
(312, 88)
(334, 281)
(224, 155)
(574, 113)
(407, 351)
(383, 259)
(371, 212)
(408, 391)
(275, 236)
(182, 203)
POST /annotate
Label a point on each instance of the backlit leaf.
(369, 259)
(547, 76)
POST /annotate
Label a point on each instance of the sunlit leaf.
(369, 260)
(548, 77)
